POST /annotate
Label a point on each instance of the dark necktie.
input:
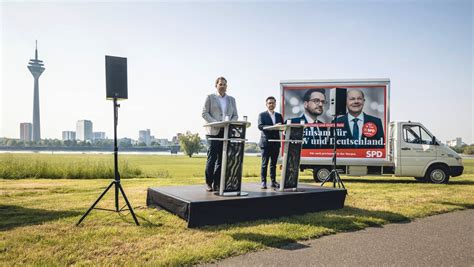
(355, 129)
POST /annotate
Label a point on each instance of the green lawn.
(37, 216)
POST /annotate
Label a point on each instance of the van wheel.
(320, 174)
(437, 174)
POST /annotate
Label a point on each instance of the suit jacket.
(212, 111)
(264, 119)
(367, 118)
(315, 138)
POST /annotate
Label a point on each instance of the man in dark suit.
(314, 136)
(360, 130)
(270, 150)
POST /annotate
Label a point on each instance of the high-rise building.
(26, 129)
(84, 130)
(144, 136)
(69, 135)
(455, 142)
(36, 68)
(98, 136)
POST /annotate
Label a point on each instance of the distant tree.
(459, 149)
(251, 148)
(11, 142)
(190, 143)
(124, 143)
(469, 150)
(68, 142)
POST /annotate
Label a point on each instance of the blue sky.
(176, 50)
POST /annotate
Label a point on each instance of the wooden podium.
(291, 153)
(232, 156)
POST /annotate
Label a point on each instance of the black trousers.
(269, 155)
(214, 159)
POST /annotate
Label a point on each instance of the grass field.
(37, 216)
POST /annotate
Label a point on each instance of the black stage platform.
(199, 207)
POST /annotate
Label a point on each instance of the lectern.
(232, 156)
(293, 140)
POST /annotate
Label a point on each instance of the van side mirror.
(433, 141)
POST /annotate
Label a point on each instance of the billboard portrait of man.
(360, 129)
(314, 102)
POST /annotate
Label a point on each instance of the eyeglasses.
(318, 101)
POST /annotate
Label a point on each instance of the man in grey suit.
(216, 108)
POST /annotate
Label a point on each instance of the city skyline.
(175, 52)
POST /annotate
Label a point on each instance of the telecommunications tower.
(36, 68)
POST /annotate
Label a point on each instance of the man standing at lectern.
(216, 108)
(270, 150)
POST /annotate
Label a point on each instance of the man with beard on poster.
(360, 129)
(314, 136)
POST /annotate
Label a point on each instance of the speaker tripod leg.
(327, 178)
(117, 184)
(95, 203)
(128, 204)
(340, 181)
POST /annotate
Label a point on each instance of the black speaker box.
(341, 95)
(116, 77)
(338, 101)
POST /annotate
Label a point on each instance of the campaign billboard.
(361, 127)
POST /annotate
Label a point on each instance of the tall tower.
(36, 68)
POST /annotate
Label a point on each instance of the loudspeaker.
(338, 101)
(116, 77)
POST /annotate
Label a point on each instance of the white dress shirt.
(272, 115)
(223, 104)
(360, 123)
(314, 130)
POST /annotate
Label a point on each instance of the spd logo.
(373, 154)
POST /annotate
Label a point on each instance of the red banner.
(345, 153)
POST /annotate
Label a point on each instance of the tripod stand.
(116, 181)
(334, 175)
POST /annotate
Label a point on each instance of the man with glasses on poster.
(315, 136)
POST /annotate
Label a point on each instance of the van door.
(416, 150)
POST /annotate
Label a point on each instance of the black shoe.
(264, 185)
(209, 188)
(215, 188)
(275, 185)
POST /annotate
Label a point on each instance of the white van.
(368, 143)
(412, 151)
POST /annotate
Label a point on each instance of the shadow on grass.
(368, 181)
(343, 220)
(16, 216)
(462, 205)
(144, 222)
(451, 181)
(407, 180)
